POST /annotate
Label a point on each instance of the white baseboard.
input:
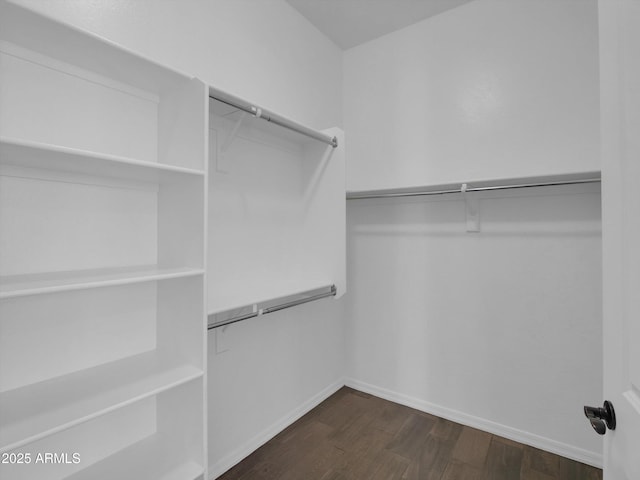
(218, 468)
(547, 444)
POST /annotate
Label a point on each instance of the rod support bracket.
(222, 165)
(257, 111)
(472, 209)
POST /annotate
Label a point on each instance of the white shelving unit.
(103, 190)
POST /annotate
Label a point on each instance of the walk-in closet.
(319, 240)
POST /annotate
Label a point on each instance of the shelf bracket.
(222, 166)
(472, 209)
(232, 135)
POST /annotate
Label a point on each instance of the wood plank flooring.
(355, 436)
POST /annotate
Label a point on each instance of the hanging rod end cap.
(257, 111)
(334, 142)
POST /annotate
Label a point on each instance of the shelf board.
(28, 154)
(152, 457)
(42, 409)
(66, 42)
(22, 285)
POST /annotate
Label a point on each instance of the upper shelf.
(70, 160)
(69, 44)
(484, 185)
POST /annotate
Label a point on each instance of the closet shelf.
(37, 155)
(86, 50)
(36, 284)
(36, 411)
(152, 457)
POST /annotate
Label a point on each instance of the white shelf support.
(232, 135)
(472, 209)
(222, 163)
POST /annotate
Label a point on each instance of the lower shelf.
(150, 459)
(157, 437)
(36, 411)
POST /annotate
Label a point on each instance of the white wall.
(263, 51)
(500, 329)
(491, 89)
(266, 52)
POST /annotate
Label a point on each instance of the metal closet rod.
(274, 308)
(420, 193)
(258, 112)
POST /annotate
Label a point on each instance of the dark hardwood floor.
(355, 436)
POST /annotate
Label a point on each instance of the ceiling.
(352, 22)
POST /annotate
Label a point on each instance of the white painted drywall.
(266, 52)
(263, 51)
(490, 89)
(501, 328)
